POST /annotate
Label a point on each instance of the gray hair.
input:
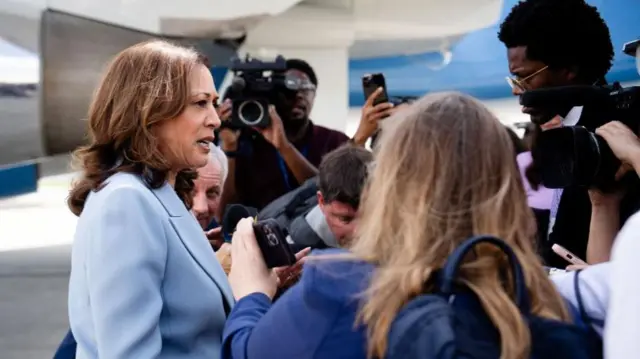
(217, 154)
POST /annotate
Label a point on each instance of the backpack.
(292, 204)
(451, 323)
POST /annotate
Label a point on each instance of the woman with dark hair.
(139, 256)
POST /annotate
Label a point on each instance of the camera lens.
(555, 154)
(575, 156)
(251, 112)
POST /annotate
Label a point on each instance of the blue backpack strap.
(588, 320)
(453, 262)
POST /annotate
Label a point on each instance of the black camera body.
(272, 240)
(256, 85)
(575, 155)
(271, 237)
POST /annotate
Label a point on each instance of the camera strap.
(285, 171)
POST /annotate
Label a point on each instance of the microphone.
(566, 96)
(232, 215)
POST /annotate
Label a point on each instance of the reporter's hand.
(249, 273)
(288, 276)
(622, 141)
(228, 136)
(371, 115)
(274, 134)
(223, 255)
(224, 110)
(555, 122)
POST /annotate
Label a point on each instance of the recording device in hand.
(256, 85)
(270, 237)
(575, 155)
(273, 244)
(370, 83)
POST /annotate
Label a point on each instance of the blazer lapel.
(193, 238)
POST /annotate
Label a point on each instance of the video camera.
(256, 85)
(576, 156)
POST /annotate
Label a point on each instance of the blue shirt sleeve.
(246, 313)
(294, 327)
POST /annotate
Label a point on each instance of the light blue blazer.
(145, 282)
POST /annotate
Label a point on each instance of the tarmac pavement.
(36, 231)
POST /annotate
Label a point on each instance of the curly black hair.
(562, 34)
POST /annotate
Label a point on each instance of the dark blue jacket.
(67, 349)
(314, 319)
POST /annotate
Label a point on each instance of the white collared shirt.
(572, 117)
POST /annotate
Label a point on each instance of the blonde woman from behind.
(444, 171)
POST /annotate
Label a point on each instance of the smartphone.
(273, 244)
(370, 83)
(568, 256)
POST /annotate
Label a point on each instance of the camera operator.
(267, 163)
(607, 291)
(553, 43)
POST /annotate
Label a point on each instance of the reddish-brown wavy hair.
(144, 85)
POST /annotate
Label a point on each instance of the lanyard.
(285, 171)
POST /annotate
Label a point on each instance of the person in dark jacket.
(322, 212)
(266, 164)
(554, 43)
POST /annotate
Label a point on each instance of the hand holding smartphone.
(371, 83)
(273, 244)
(567, 255)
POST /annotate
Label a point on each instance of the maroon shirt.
(259, 174)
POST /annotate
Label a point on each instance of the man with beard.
(553, 43)
(265, 164)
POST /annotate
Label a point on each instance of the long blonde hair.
(444, 171)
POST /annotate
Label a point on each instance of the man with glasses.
(265, 164)
(554, 43)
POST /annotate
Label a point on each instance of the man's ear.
(320, 199)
